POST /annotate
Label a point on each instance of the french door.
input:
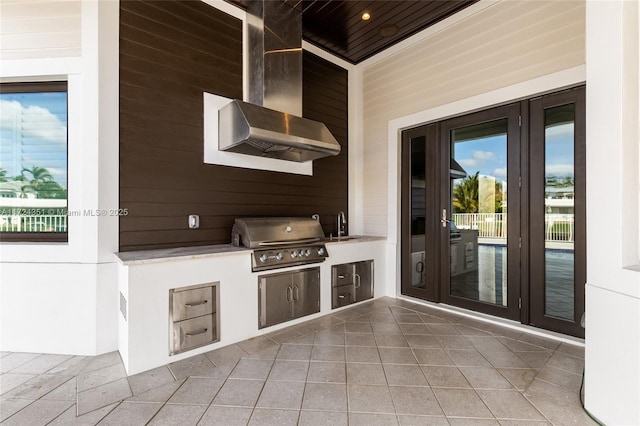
(493, 211)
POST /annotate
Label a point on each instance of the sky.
(489, 155)
(42, 140)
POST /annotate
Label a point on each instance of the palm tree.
(42, 183)
(465, 195)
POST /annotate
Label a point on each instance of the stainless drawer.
(342, 275)
(342, 296)
(192, 333)
(192, 303)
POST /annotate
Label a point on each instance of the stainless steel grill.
(279, 242)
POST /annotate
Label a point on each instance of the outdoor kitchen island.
(146, 278)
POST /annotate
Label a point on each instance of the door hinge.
(520, 120)
(519, 302)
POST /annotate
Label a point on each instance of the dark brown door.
(420, 232)
(557, 211)
(479, 220)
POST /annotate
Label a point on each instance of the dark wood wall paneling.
(171, 52)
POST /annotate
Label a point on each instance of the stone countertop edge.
(142, 257)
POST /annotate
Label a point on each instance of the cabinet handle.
(341, 296)
(201, 331)
(419, 267)
(191, 305)
(296, 292)
(357, 280)
(341, 277)
(289, 294)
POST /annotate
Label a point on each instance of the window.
(33, 161)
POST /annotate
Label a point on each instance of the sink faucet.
(341, 223)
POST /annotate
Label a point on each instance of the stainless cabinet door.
(306, 292)
(275, 297)
(342, 296)
(364, 280)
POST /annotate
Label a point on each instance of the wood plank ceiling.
(337, 25)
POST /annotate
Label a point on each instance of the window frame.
(40, 87)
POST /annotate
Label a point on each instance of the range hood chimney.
(271, 123)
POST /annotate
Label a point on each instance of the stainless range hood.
(271, 123)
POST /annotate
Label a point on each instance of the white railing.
(33, 223)
(558, 227)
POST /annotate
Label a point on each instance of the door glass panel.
(559, 211)
(418, 209)
(478, 235)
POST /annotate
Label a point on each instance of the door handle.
(357, 283)
(419, 267)
(195, 333)
(289, 294)
(193, 304)
(444, 221)
(296, 292)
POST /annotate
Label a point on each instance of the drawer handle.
(202, 331)
(191, 305)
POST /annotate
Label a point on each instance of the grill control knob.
(321, 251)
(301, 253)
(263, 258)
(294, 253)
(307, 253)
(279, 256)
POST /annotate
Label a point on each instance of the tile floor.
(385, 362)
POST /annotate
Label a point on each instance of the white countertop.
(184, 253)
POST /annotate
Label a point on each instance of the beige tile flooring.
(385, 362)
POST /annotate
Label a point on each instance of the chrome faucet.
(342, 221)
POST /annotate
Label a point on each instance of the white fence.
(33, 223)
(558, 227)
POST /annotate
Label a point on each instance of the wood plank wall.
(170, 52)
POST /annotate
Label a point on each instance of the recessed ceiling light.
(366, 16)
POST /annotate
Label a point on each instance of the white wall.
(488, 46)
(612, 360)
(62, 297)
(37, 29)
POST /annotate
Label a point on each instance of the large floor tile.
(369, 419)
(432, 356)
(8, 407)
(100, 377)
(37, 387)
(255, 369)
(263, 417)
(468, 358)
(404, 375)
(151, 379)
(227, 355)
(103, 395)
(281, 395)
(325, 396)
(183, 415)
(445, 377)
(507, 404)
(360, 339)
(129, 413)
(322, 418)
(362, 354)
(294, 352)
(485, 378)
(370, 399)
(415, 400)
(38, 413)
(65, 392)
(69, 417)
(226, 416)
(462, 403)
(520, 378)
(257, 344)
(412, 420)
(159, 394)
(328, 353)
(15, 359)
(397, 355)
(10, 381)
(366, 374)
(239, 393)
(198, 365)
(290, 371)
(197, 391)
(327, 372)
(560, 414)
(41, 364)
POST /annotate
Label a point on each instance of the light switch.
(194, 221)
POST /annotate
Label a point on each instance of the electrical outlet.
(194, 221)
